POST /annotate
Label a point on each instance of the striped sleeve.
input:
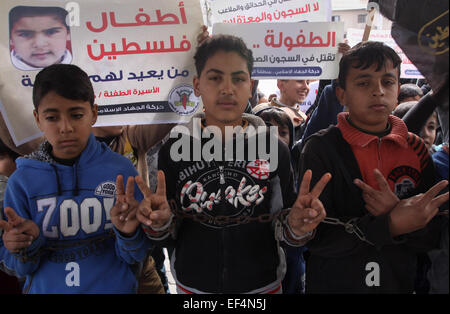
(419, 148)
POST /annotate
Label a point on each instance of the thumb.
(5, 225)
(13, 218)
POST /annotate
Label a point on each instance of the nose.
(40, 40)
(65, 126)
(378, 89)
(227, 86)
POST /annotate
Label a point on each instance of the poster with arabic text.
(290, 50)
(138, 55)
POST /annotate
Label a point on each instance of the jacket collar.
(398, 134)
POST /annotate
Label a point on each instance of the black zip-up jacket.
(223, 255)
(340, 262)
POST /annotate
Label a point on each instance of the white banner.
(290, 50)
(407, 68)
(269, 11)
(138, 55)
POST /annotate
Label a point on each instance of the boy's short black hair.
(66, 80)
(364, 55)
(21, 11)
(227, 43)
(409, 90)
(5, 150)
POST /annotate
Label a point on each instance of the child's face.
(294, 91)
(39, 41)
(370, 96)
(66, 124)
(428, 132)
(7, 165)
(283, 132)
(225, 87)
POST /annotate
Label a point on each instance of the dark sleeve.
(417, 116)
(427, 238)
(164, 236)
(286, 174)
(325, 113)
(343, 201)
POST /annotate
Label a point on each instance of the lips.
(41, 55)
(378, 107)
(227, 104)
(65, 143)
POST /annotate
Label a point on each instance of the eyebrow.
(54, 110)
(369, 76)
(221, 72)
(33, 31)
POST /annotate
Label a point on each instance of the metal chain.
(349, 226)
(227, 220)
(55, 246)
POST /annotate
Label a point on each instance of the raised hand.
(19, 232)
(414, 213)
(308, 211)
(204, 35)
(123, 213)
(154, 210)
(378, 202)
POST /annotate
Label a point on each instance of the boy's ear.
(280, 85)
(94, 114)
(196, 83)
(340, 95)
(36, 118)
(252, 84)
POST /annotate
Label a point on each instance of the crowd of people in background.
(362, 186)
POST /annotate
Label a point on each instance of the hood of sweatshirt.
(42, 160)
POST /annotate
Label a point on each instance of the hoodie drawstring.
(57, 179)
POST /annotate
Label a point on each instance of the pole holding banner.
(372, 8)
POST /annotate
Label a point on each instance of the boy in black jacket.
(228, 207)
(369, 242)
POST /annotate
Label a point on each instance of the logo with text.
(106, 189)
(182, 100)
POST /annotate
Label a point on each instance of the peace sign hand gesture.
(414, 213)
(19, 232)
(154, 210)
(123, 213)
(378, 202)
(308, 211)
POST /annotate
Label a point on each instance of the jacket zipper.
(222, 231)
(379, 154)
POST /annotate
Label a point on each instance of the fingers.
(13, 218)
(119, 185)
(318, 188)
(432, 192)
(143, 213)
(5, 225)
(161, 187)
(145, 190)
(159, 218)
(129, 192)
(15, 246)
(304, 186)
(382, 183)
(439, 200)
(14, 240)
(367, 189)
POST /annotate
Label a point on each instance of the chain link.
(349, 226)
(228, 220)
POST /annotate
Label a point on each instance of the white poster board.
(290, 50)
(138, 55)
(269, 11)
(407, 68)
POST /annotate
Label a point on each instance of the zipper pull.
(222, 175)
